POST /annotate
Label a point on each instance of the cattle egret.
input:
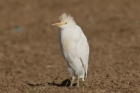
(74, 47)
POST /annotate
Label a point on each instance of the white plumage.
(74, 47)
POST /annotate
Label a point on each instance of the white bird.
(74, 47)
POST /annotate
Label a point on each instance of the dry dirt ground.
(30, 58)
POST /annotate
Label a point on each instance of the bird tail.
(84, 67)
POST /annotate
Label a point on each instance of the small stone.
(48, 66)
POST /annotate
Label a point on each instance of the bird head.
(65, 21)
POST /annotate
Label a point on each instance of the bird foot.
(77, 85)
(71, 87)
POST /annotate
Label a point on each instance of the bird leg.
(78, 77)
(72, 81)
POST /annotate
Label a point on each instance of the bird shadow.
(64, 83)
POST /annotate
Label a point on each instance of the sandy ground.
(30, 58)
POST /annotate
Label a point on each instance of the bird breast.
(66, 43)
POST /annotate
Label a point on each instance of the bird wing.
(83, 51)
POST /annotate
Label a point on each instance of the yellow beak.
(59, 24)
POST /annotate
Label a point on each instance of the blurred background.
(30, 57)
